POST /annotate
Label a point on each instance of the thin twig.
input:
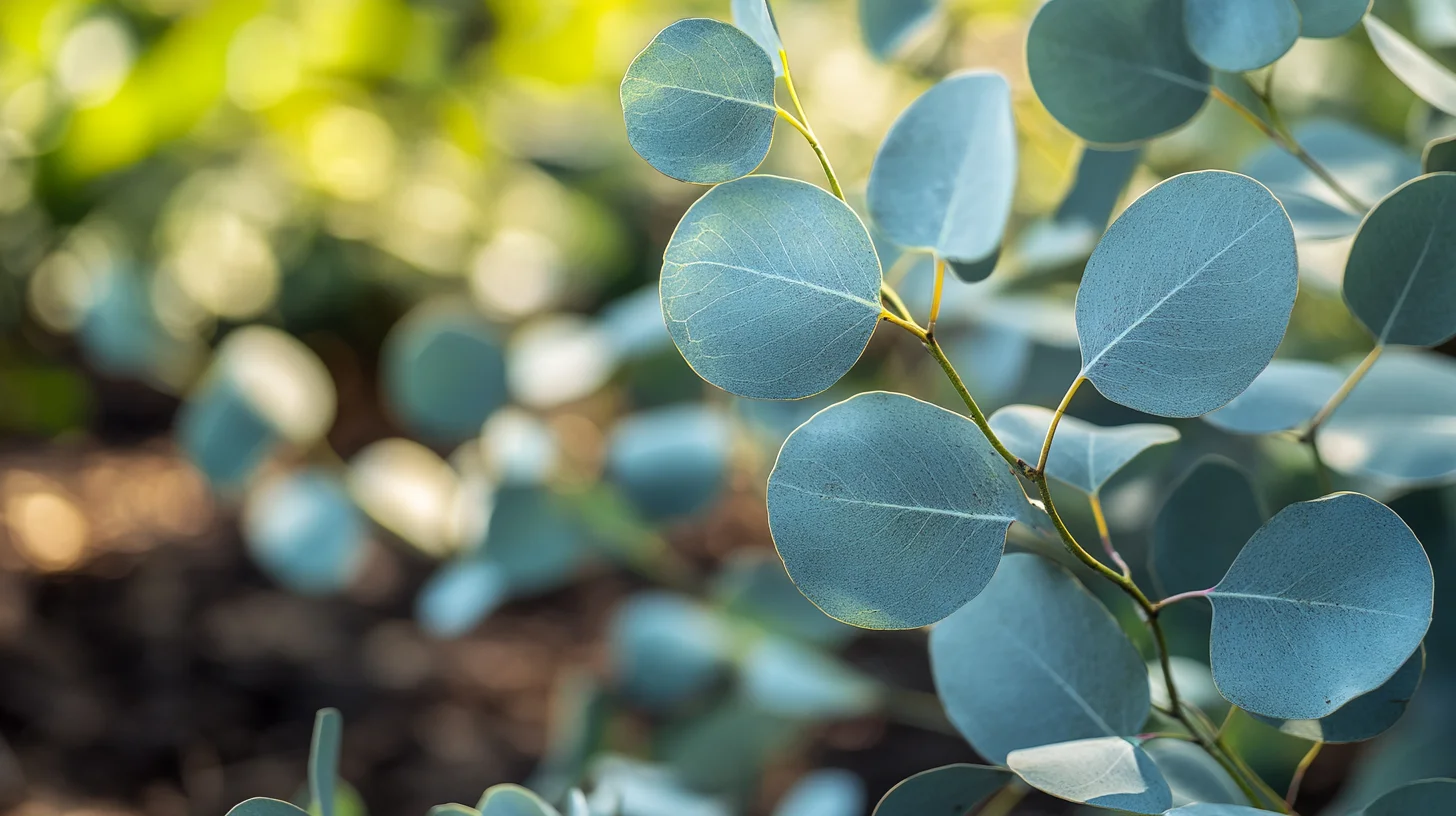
(1339, 397)
(1299, 771)
(1095, 500)
(1046, 446)
(802, 123)
(935, 297)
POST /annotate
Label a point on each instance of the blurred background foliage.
(332, 373)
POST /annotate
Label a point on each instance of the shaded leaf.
(1440, 156)
(1284, 396)
(1201, 527)
(794, 680)
(756, 18)
(1428, 79)
(830, 792)
(670, 462)
(1109, 772)
(261, 806)
(1241, 35)
(534, 540)
(1399, 423)
(1366, 716)
(1083, 455)
(1398, 280)
(1069, 236)
(443, 372)
(1329, 18)
(323, 759)
(459, 596)
(1192, 774)
(1427, 796)
(666, 649)
(888, 25)
(950, 790)
(754, 586)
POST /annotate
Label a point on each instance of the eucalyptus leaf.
(1440, 156)
(1202, 526)
(459, 596)
(1241, 35)
(513, 800)
(699, 102)
(1069, 236)
(443, 372)
(771, 288)
(829, 792)
(1398, 281)
(1399, 423)
(883, 492)
(453, 809)
(950, 790)
(305, 532)
(1188, 295)
(1284, 396)
(670, 462)
(1192, 774)
(1115, 73)
(1035, 659)
(1214, 809)
(1083, 455)
(534, 540)
(756, 18)
(323, 759)
(1366, 716)
(796, 681)
(1329, 18)
(576, 804)
(666, 649)
(945, 176)
(1109, 772)
(260, 806)
(1428, 79)
(1324, 603)
(1429, 796)
(889, 25)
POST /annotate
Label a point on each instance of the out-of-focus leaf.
(666, 649)
(1205, 522)
(670, 462)
(1082, 455)
(443, 372)
(1283, 397)
(950, 790)
(1399, 423)
(889, 25)
(305, 532)
(1428, 79)
(830, 792)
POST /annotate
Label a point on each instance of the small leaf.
(1429, 796)
(323, 759)
(670, 462)
(1428, 79)
(1398, 280)
(1108, 772)
(1208, 809)
(576, 804)
(459, 596)
(888, 25)
(1399, 424)
(1193, 775)
(305, 532)
(756, 18)
(453, 809)
(513, 800)
(944, 178)
(755, 587)
(666, 649)
(1203, 525)
(830, 792)
(1083, 455)
(1329, 18)
(1440, 156)
(1115, 74)
(771, 288)
(799, 682)
(534, 541)
(699, 102)
(1241, 35)
(1366, 716)
(1325, 603)
(882, 492)
(1070, 235)
(1285, 396)
(950, 790)
(260, 806)
(443, 372)
(1188, 295)
(1016, 668)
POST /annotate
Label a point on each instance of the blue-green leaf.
(1366, 716)
(945, 176)
(576, 804)
(1329, 18)
(670, 462)
(305, 532)
(1109, 772)
(1429, 796)
(1241, 35)
(667, 649)
(1283, 397)
(699, 102)
(797, 681)
(1214, 809)
(532, 539)
(755, 587)
(1083, 455)
(771, 288)
(950, 790)
(1203, 525)
(261, 806)
(1366, 165)
(888, 25)
(459, 596)
(1440, 156)
(1398, 280)
(513, 800)
(453, 809)
(1325, 603)
(1115, 73)
(323, 759)
(883, 492)
(1428, 79)
(830, 792)
(1015, 666)
(443, 372)
(1072, 232)
(756, 18)
(1399, 424)
(1188, 295)
(1193, 775)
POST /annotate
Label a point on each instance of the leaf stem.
(890, 296)
(1070, 542)
(1095, 499)
(1182, 596)
(1339, 396)
(935, 297)
(803, 126)
(977, 415)
(1046, 446)
(1299, 771)
(1274, 797)
(907, 325)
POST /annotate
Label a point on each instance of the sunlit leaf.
(756, 18)
(1285, 396)
(950, 790)
(1241, 35)
(829, 792)
(323, 759)
(266, 807)
(771, 288)
(453, 809)
(945, 176)
(888, 25)
(1213, 809)
(1427, 796)
(1203, 525)
(1399, 424)
(670, 462)
(443, 372)
(513, 800)
(459, 596)
(1366, 716)
(699, 102)
(1036, 660)
(1325, 603)
(1440, 156)
(1109, 772)
(666, 649)
(1083, 455)
(576, 804)
(1428, 79)
(1188, 295)
(305, 532)
(1193, 775)
(882, 492)
(1115, 73)
(1329, 18)
(1398, 281)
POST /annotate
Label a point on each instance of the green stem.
(1094, 499)
(1299, 772)
(1274, 797)
(803, 126)
(977, 415)
(1046, 445)
(1339, 397)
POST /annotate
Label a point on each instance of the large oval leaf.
(883, 492)
(1114, 73)
(1036, 660)
(1083, 455)
(1283, 397)
(1428, 79)
(1366, 716)
(699, 102)
(1325, 603)
(1399, 279)
(1241, 35)
(1108, 772)
(950, 790)
(1399, 424)
(1203, 525)
(771, 288)
(945, 175)
(889, 25)
(1440, 156)
(1429, 796)
(756, 18)
(1188, 295)
(1329, 18)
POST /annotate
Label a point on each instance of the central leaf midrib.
(937, 511)
(1301, 602)
(701, 92)
(795, 281)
